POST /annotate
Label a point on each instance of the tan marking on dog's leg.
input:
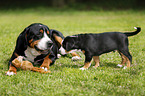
(46, 62)
(124, 60)
(128, 62)
(87, 65)
(96, 60)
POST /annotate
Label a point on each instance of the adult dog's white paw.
(76, 58)
(10, 73)
(119, 65)
(45, 69)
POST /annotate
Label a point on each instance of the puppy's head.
(70, 43)
(38, 37)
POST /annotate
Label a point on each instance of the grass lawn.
(66, 78)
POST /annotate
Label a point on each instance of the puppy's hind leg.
(123, 60)
(127, 58)
(96, 60)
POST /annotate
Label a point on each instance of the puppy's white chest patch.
(31, 54)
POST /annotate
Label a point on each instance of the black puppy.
(93, 45)
(39, 45)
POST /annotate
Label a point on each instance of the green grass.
(66, 78)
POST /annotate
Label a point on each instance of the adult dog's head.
(37, 36)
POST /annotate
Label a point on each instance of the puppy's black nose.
(49, 44)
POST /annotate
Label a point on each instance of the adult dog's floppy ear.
(22, 42)
(25, 35)
(57, 37)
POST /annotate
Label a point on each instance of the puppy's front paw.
(76, 58)
(83, 68)
(124, 67)
(119, 65)
(10, 73)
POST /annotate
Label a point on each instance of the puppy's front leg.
(88, 60)
(46, 63)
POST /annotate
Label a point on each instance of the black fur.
(97, 44)
(30, 32)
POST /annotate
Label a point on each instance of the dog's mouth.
(46, 51)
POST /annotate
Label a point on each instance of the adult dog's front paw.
(10, 73)
(45, 69)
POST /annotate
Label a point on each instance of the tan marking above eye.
(83, 51)
(41, 31)
(47, 32)
(30, 40)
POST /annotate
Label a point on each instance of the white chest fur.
(31, 54)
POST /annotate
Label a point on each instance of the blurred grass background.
(74, 4)
(77, 16)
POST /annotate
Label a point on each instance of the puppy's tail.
(138, 29)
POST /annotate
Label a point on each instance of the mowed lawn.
(66, 79)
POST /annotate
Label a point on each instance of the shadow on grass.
(109, 64)
(77, 65)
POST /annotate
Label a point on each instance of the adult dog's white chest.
(31, 54)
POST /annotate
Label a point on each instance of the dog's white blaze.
(42, 44)
(62, 51)
(31, 54)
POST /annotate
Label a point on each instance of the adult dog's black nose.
(49, 44)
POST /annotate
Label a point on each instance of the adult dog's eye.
(35, 37)
(39, 35)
